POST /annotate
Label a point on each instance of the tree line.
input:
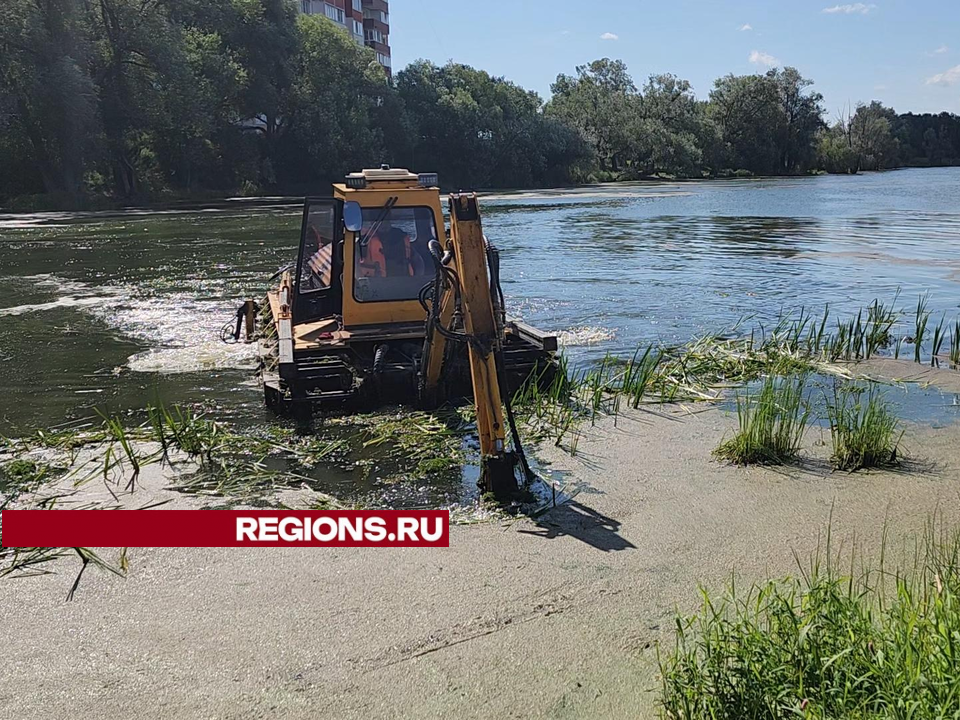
(135, 100)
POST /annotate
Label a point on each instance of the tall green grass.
(920, 331)
(939, 335)
(182, 429)
(864, 431)
(826, 644)
(771, 424)
(955, 345)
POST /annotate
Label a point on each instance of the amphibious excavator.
(387, 305)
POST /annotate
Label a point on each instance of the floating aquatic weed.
(20, 562)
(864, 431)
(424, 444)
(27, 561)
(771, 424)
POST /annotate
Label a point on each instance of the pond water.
(116, 310)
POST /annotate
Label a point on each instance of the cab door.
(318, 283)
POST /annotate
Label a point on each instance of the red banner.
(226, 528)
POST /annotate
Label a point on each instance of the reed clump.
(771, 424)
(828, 643)
(864, 431)
(703, 369)
(955, 345)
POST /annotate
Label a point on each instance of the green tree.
(52, 99)
(669, 128)
(327, 127)
(800, 122)
(483, 131)
(602, 103)
(262, 38)
(747, 115)
(834, 153)
(870, 133)
(768, 124)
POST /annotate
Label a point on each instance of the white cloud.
(746, 27)
(850, 9)
(762, 58)
(609, 36)
(564, 32)
(948, 77)
(941, 50)
(879, 87)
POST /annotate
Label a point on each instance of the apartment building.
(368, 21)
(376, 29)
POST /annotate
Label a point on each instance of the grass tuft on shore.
(23, 475)
(771, 424)
(825, 644)
(864, 431)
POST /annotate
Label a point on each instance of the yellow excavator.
(385, 305)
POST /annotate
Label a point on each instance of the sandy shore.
(554, 618)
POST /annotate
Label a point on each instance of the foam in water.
(182, 332)
(584, 335)
(64, 302)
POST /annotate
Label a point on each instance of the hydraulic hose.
(440, 262)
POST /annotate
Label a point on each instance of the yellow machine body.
(387, 305)
(409, 195)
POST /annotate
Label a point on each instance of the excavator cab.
(385, 305)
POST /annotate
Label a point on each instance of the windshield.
(394, 263)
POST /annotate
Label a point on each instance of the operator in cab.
(390, 253)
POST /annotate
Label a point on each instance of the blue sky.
(906, 54)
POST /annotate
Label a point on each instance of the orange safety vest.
(376, 263)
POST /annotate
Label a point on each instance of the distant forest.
(122, 101)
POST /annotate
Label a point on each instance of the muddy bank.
(553, 618)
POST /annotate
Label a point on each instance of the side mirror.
(352, 216)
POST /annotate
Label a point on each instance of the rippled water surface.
(113, 311)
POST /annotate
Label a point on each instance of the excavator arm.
(466, 309)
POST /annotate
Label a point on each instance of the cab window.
(316, 267)
(392, 258)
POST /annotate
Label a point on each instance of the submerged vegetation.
(826, 644)
(772, 424)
